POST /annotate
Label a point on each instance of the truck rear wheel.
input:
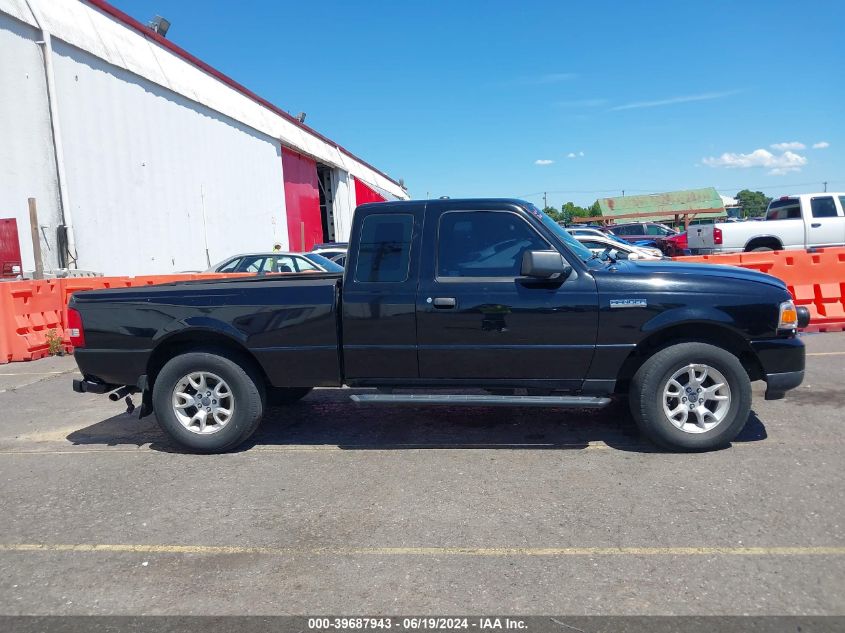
(207, 403)
(691, 397)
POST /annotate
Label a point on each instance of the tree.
(570, 210)
(753, 203)
(553, 213)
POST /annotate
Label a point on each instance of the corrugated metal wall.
(27, 165)
(155, 178)
(158, 178)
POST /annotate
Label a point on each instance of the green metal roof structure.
(706, 202)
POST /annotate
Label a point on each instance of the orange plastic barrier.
(29, 310)
(31, 314)
(814, 279)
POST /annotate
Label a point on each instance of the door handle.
(445, 303)
(816, 225)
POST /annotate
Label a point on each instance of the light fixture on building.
(160, 25)
(301, 117)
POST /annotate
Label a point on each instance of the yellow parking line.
(427, 551)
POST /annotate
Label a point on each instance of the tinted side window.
(655, 229)
(384, 248)
(484, 244)
(823, 207)
(631, 229)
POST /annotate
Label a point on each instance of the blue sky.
(463, 98)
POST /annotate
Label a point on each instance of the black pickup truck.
(483, 302)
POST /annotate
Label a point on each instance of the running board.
(583, 402)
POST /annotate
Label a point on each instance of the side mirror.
(545, 265)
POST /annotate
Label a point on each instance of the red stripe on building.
(365, 194)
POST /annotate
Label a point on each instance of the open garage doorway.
(324, 182)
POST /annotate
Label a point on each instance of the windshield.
(584, 253)
(323, 262)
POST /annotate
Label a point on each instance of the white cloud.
(673, 100)
(543, 161)
(777, 164)
(580, 153)
(782, 147)
(574, 155)
(821, 145)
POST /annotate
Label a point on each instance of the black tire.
(761, 249)
(646, 397)
(247, 389)
(281, 396)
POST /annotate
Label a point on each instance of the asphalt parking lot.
(345, 509)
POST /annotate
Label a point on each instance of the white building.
(145, 160)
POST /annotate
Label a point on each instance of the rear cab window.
(384, 248)
(788, 209)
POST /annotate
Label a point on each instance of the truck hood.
(672, 269)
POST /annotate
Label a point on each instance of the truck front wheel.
(691, 397)
(207, 403)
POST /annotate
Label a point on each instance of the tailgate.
(700, 237)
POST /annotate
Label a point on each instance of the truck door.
(379, 295)
(826, 225)
(477, 320)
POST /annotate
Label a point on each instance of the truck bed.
(289, 323)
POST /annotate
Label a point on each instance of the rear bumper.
(782, 361)
(86, 385)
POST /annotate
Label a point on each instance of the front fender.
(687, 315)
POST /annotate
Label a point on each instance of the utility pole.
(825, 186)
(546, 201)
(623, 193)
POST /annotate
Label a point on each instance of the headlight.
(788, 319)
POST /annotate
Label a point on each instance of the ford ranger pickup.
(478, 302)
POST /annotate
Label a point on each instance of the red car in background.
(663, 237)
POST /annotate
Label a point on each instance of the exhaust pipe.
(121, 393)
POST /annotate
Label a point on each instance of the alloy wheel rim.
(696, 398)
(203, 402)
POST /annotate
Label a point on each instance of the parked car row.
(655, 237)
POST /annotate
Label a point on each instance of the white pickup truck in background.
(791, 222)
